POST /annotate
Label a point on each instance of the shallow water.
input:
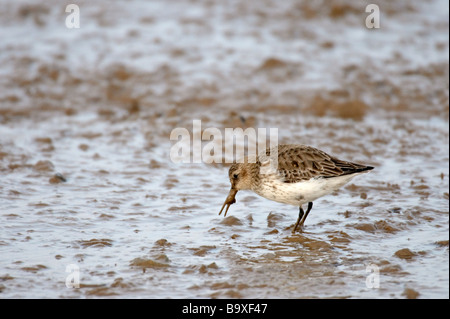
(87, 181)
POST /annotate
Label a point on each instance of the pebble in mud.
(231, 221)
(83, 147)
(145, 263)
(405, 253)
(442, 243)
(44, 166)
(46, 144)
(202, 250)
(203, 269)
(57, 178)
(162, 242)
(105, 127)
(410, 293)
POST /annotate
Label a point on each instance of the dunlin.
(302, 175)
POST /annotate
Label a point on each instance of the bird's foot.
(298, 228)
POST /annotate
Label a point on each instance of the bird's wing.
(300, 163)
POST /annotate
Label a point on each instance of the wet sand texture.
(87, 182)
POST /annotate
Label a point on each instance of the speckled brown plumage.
(300, 175)
(298, 163)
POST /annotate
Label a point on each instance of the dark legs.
(310, 204)
(300, 215)
(301, 219)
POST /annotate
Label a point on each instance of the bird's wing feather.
(298, 163)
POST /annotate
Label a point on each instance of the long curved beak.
(229, 201)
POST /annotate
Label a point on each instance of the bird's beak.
(229, 201)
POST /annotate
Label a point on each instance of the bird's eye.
(235, 176)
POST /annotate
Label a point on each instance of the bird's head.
(240, 178)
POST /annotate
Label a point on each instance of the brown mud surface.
(86, 174)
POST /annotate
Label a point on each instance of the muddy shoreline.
(88, 183)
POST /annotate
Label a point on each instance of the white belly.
(302, 192)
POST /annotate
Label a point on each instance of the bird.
(293, 174)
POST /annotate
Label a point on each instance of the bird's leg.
(310, 205)
(300, 215)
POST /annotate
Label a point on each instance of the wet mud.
(87, 181)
